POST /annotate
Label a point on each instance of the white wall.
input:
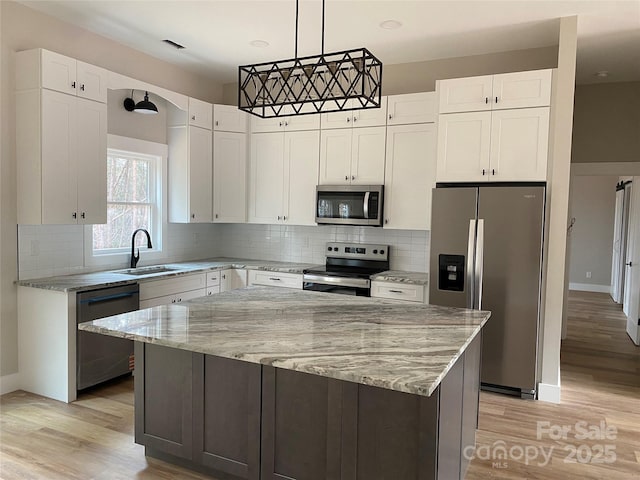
(592, 204)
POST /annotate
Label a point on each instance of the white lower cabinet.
(233, 278)
(172, 290)
(275, 279)
(410, 175)
(400, 291)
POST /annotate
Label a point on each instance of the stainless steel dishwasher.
(100, 357)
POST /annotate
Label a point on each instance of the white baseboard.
(588, 287)
(9, 383)
(549, 393)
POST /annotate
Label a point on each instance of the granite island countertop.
(383, 343)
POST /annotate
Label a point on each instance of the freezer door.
(513, 232)
(453, 230)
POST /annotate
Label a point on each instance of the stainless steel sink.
(148, 270)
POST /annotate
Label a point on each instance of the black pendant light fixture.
(331, 82)
(144, 106)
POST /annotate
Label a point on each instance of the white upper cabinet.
(229, 118)
(411, 108)
(289, 124)
(352, 157)
(61, 141)
(367, 117)
(200, 113)
(229, 177)
(499, 146)
(39, 68)
(495, 92)
(410, 175)
(190, 174)
(283, 177)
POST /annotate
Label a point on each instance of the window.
(134, 199)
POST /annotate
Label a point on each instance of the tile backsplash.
(48, 250)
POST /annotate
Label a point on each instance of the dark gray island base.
(234, 416)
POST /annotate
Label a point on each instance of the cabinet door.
(411, 108)
(469, 94)
(200, 175)
(522, 89)
(59, 175)
(233, 278)
(200, 113)
(332, 120)
(410, 174)
(164, 399)
(229, 177)
(367, 156)
(266, 182)
(228, 118)
(92, 162)
(92, 82)
(58, 72)
(227, 416)
(335, 157)
(519, 144)
(301, 151)
(261, 125)
(302, 122)
(463, 147)
(371, 117)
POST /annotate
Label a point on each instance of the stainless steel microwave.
(349, 204)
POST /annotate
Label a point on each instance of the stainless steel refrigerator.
(486, 253)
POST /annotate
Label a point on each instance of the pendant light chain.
(322, 51)
(296, 52)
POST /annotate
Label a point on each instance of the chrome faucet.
(134, 257)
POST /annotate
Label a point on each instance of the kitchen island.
(269, 383)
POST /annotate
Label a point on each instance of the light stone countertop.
(383, 343)
(94, 280)
(399, 276)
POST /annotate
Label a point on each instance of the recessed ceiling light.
(259, 43)
(602, 74)
(390, 24)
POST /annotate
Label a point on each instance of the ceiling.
(217, 33)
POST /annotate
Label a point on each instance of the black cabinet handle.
(74, 215)
(483, 171)
(486, 100)
(82, 87)
(496, 99)
(73, 84)
(82, 214)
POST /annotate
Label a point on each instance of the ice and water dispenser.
(451, 272)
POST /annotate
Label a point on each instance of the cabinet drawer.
(275, 279)
(212, 290)
(227, 118)
(213, 278)
(171, 286)
(398, 291)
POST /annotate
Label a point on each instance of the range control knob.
(381, 252)
(329, 248)
(375, 251)
(335, 249)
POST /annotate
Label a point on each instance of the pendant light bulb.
(145, 106)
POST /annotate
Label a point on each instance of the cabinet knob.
(278, 217)
(348, 119)
(483, 171)
(82, 87)
(173, 301)
(390, 116)
(179, 300)
(193, 215)
(74, 215)
(216, 215)
(284, 217)
(73, 84)
(353, 177)
(286, 124)
(193, 117)
(346, 177)
(216, 123)
(279, 124)
(630, 264)
(386, 221)
(355, 119)
(224, 276)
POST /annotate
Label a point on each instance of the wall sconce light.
(144, 106)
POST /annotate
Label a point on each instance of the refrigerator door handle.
(470, 278)
(479, 265)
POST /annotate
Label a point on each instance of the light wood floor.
(93, 437)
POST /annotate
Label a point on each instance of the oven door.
(349, 205)
(345, 286)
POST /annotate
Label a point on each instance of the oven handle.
(365, 207)
(342, 281)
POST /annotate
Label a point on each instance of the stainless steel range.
(348, 269)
